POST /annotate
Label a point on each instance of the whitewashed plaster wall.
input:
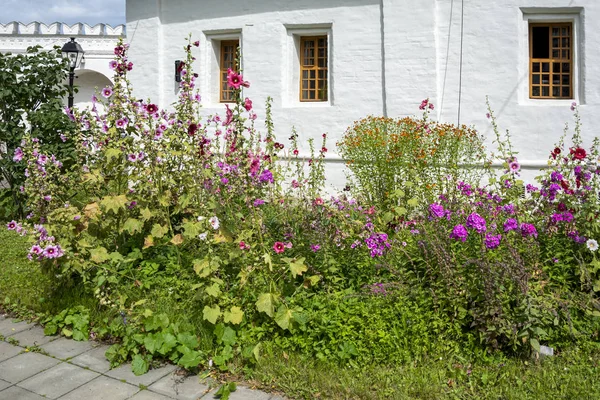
(97, 41)
(385, 57)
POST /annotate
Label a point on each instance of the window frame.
(552, 61)
(315, 67)
(552, 15)
(223, 67)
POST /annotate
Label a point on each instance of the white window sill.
(548, 102)
(307, 104)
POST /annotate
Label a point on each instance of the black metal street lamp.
(73, 52)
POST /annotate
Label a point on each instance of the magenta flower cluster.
(377, 243)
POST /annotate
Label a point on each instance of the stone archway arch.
(89, 82)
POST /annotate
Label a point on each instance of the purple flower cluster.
(528, 230)
(511, 224)
(377, 243)
(266, 176)
(492, 241)
(438, 211)
(459, 232)
(477, 222)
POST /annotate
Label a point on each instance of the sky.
(91, 12)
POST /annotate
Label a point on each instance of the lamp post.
(73, 52)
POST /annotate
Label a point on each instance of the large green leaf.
(211, 314)
(283, 316)
(190, 359)
(235, 315)
(99, 255)
(159, 231)
(114, 203)
(139, 366)
(297, 266)
(133, 225)
(266, 304)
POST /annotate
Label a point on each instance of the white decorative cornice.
(60, 29)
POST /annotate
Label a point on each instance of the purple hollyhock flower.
(113, 64)
(477, 222)
(459, 232)
(492, 241)
(12, 225)
(315, 247)
(510, 225)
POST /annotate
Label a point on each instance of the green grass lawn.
(572, 374)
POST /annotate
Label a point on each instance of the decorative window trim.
(291, 68)
(544, 15)
(211, 62)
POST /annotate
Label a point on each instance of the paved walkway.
(69, 370)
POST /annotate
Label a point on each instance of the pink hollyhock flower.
(244, 245)
(113, 64)
(107, 92)
(35, 249)
(318, 201)
(228, 116)
(18, 155)
(236, 80)
(12, 225)
(248, 104)
(51, 251)
(197, 43)
(132, 157)
(278, 247)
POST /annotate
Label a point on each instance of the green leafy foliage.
(31, 103)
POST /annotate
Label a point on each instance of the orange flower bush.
(419, 158)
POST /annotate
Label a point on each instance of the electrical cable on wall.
(460, 65)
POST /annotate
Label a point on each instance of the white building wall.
(385, 57)
(495, 64)
(157, 32)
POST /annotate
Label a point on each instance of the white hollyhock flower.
(592, 244)
(203, 236)
(214, 222)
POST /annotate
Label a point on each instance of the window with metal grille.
(313, 68)
(228, 59)
(551, 61)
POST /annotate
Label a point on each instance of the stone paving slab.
(148, 395)
(8, 327)
(58, 380)
(32, 337)
(8, 350)
(4, 384)
(17, 393)
(124, 373)
(243, 393)
(102, 388)
(180, 388)
(25, 365)
(93, 359)
(65, 349)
